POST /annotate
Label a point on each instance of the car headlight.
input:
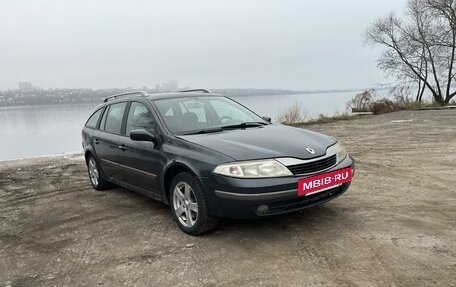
(253, 169)
(340, 151)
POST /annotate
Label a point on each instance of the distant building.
(169, 86)
(25, 86)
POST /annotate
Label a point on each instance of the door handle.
(122, 147)
(96, 141)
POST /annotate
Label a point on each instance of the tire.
(189, 206)
(95, 174)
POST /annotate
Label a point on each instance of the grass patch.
(425, 105)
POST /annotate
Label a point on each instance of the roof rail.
(125, 94)
(196, 90)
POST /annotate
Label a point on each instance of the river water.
(28, 131)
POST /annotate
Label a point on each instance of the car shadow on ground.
(308, 219)
(321, 214)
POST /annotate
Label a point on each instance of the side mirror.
(268, 119)
(142, 135)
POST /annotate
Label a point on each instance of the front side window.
(139, 117)
(114, 118)
(93, 120)
(187, 114)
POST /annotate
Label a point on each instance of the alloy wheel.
(93, 172)
(185, 204)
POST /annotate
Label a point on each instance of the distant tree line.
(80, 96)
(54, 96)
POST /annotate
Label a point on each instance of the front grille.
(314, 166)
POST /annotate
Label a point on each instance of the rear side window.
(93, 120)
(103, 119)
(114, 117)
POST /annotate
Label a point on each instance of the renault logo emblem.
(310, 150)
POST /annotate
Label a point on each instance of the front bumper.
(242, 198)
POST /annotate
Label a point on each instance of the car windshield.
(191, 115)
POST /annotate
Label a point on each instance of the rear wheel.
(96, 179)
(189, 206)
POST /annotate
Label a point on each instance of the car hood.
(269, 141)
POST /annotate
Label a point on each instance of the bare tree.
(362, 102)
(401, 95)
(292, 114)
(421, 48)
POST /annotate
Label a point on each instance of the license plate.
(324, 181)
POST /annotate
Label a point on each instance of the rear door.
(141, 161)
(106, 139)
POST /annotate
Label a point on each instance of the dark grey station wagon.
(208, 156)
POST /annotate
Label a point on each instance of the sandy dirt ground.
(396, 226)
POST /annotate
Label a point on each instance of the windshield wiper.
(219, 129)
(203, 131)
(245, 125)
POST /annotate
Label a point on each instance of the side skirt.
(142, 191)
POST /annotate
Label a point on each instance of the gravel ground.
(394, 227)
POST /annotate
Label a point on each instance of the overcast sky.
(215, 44)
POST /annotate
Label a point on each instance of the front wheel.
(95, 175)
(189, 206)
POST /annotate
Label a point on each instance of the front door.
(141, 161)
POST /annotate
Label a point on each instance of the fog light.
(262, 208)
